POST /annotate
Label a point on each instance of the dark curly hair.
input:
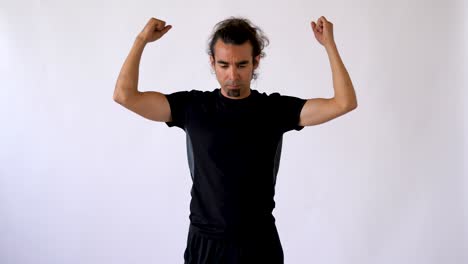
(238, 30)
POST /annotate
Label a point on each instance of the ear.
(256, 62)
(212, 62)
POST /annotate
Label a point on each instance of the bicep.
(151, 105)
(320, 110)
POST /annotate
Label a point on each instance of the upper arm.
(151, 105)
(320, 110)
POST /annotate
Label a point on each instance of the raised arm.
(321, 110)
(151, 105)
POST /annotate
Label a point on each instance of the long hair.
(238, 30)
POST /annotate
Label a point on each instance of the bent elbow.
(353, 106)
(348, 106)
(119, 96)
(117, 99)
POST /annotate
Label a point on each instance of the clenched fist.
(323, 31)
(154, 30)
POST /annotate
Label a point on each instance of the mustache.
(232, 83)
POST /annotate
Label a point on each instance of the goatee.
(233, 92)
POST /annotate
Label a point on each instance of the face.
(234, 66)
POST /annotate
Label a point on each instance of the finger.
(315, 28)
(156, 24)
(328, 26)
(160, 25)
(155, 21)
(324, 24)
(313, 25)
(166, 29)
(319, 25)
(323, 20)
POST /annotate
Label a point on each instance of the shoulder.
(264, 96)
(187, 94)
(276, 97)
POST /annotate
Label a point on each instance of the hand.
(154, 30)
(323, 31)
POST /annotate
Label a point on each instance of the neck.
(235, 93)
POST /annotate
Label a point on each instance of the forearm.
(127, 82)
(342, 85)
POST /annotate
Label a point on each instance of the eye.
(224, 66)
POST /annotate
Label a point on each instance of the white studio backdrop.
(83, 180)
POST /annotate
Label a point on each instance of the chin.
(232, 91)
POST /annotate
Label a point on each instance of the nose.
(233, 73)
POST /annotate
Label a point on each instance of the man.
(234, 138)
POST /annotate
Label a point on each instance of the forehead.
(228, 52)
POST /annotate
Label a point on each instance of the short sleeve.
(287, 111)
(179, 103)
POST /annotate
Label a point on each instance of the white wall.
(83, 180)
(464, 110)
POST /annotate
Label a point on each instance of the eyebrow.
(238, 63)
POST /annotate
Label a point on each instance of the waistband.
(237, 232)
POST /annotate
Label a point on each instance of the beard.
(233, 92)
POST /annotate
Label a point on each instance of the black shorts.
(259, 246)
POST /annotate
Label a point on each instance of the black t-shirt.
(233, 149)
